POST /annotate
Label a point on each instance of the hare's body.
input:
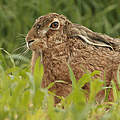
(67, 43)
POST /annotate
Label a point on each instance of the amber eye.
(54, 25)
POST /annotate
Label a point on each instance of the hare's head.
(46, 31)
(53, 29)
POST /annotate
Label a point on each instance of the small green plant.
(22, 98)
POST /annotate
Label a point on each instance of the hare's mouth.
(29, 43)
(36, 44)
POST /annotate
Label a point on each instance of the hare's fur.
(73, 44)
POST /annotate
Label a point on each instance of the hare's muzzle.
(29, 42)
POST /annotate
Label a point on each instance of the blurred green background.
(17, 17)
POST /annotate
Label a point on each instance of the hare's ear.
(89, 36)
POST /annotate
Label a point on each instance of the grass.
(22, 98)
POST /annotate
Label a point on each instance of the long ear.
(91, 37)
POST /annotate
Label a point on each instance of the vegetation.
(21, 97)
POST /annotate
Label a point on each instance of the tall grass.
(22, 98)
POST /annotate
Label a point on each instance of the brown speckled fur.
(65, 45)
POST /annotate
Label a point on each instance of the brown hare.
(60, 42)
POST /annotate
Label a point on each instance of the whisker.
(21, 35)
(23, 43)
(21, 38)
(25, 52)
(22, 54)
(24, 46)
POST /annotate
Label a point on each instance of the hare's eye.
(54, 25)
(38, 26)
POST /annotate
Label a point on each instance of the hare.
(60, 42)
